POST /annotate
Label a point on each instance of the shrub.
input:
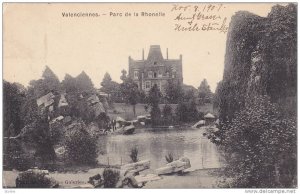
(260, 147)
(111, 178)
(134, 154)
(81, 147)
(167, 114)
(31, 179)
(169, 157)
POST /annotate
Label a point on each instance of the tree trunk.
(133, 109)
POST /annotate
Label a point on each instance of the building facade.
(155, 70)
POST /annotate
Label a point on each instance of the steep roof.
(155, 53)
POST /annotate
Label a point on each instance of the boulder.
(133, 168)
(46, 100)
(175, 166)
(62, 101)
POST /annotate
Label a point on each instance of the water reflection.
(154, 145)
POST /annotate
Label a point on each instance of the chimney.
(143, 55)
(167, 54)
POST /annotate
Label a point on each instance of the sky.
(36, 35)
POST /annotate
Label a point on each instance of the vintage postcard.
(150, 95)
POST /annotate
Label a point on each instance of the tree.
(182, 112)
(81, 147)
(193, 114)
(130, 92)
(205, 94)
(110, 87)
(174, 92)
(84, 84)
(167, 114)
(189, 95)
(111, 177)
(13, 100)
(260, 146)
(106, 83)
(35, 179)
(51, 80)
(69, 84)
(217, 96)
(153, 101)
(124, 75)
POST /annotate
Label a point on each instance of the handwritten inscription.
(205, 17)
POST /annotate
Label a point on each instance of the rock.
(57, 119)
(93, 100)
(45, 100)
(175, 166)
(62, 101)
(67, 120)
(136, 167)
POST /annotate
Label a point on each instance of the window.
(136, 75)
(150, 74)
(155, 63)
(148, 85)
(155, 75)
(159, 74)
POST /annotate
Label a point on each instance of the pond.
(153, 145)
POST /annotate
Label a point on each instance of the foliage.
(13, 99)
(167, 114)
(56, 131)
(50, 80)
(189, 95)
(29, 110)
(111, 178)
(37, 134)
(123, 76)
(134, 154)
(84, 84)
(81, 147)
(216, 98)
(31, 179)
(261, 49)
(112, 88)
(102, 120)
(48, 83)
(181, 112)
(153, 101)
(260, 146)
(69, 84)
(130, 91)
(14, 156)
(169, 157)
(187, 111)
(205, 94)
(174, 92)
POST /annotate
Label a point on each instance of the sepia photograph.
(150, 95)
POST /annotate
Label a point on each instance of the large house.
(155, 70)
